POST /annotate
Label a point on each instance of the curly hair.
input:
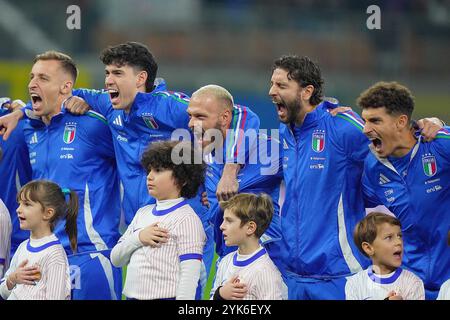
(187, 173)
(305, 72)
(133, 54)
(397, 99)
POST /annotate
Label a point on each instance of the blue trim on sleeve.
(43, 247)
(2, 261)
(166, 211)
(191, 256)
(389, 280)
(244, 263)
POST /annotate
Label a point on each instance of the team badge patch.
(318, 140)
(429, 165)
(69, 133)
(150, 121)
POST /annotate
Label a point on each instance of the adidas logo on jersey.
(34, 139)
(383, 179)
(118, 121)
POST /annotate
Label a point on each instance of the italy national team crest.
(69, 133)
(429, 165)
(318, 140)
(150, 121)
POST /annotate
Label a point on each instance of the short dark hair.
(188, 176)
(66, 62)
(305, 72)
(133, 54)
(396, 98)
(251, 207)
(366, 229)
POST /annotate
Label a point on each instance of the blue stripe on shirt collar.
(244, 263)
(43, 247)
(389, 280)
(166, 211)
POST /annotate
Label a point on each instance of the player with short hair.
(379, 237)
(322, 165)
(163, 245)
(410, 177)
(39, 269)
(247, 273)
(76, 152)
(138, 110)
(213, 117)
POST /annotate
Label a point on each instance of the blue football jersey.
(15, 171)
(260, 172)
(153, 116)
(76, 152)
(322, 164)
(418, 193)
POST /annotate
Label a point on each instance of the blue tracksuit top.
(15, 171)
(153, 116)
(260, 171)
(322, 165)
(76, 152)
(419, 196)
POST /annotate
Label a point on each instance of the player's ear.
(368, 249)
(141, 79)
(251, 228)
(402, 121)
(226, 116)
(66, 87)
(307, 92)
(48, 214)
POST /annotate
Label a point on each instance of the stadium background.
(233, 43)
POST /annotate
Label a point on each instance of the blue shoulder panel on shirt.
(97, 115)
(352, 118)
(180, 97)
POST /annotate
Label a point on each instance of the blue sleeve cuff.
(191, 256)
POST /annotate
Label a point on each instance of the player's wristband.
(217, 295)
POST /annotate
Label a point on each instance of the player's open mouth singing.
(377, 144)
(36, 99)
(114, 95)
(281, 109)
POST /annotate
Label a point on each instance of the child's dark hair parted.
(250, 207)
(49, 195)
(135, 55)
(366, 229)
(188, 174)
